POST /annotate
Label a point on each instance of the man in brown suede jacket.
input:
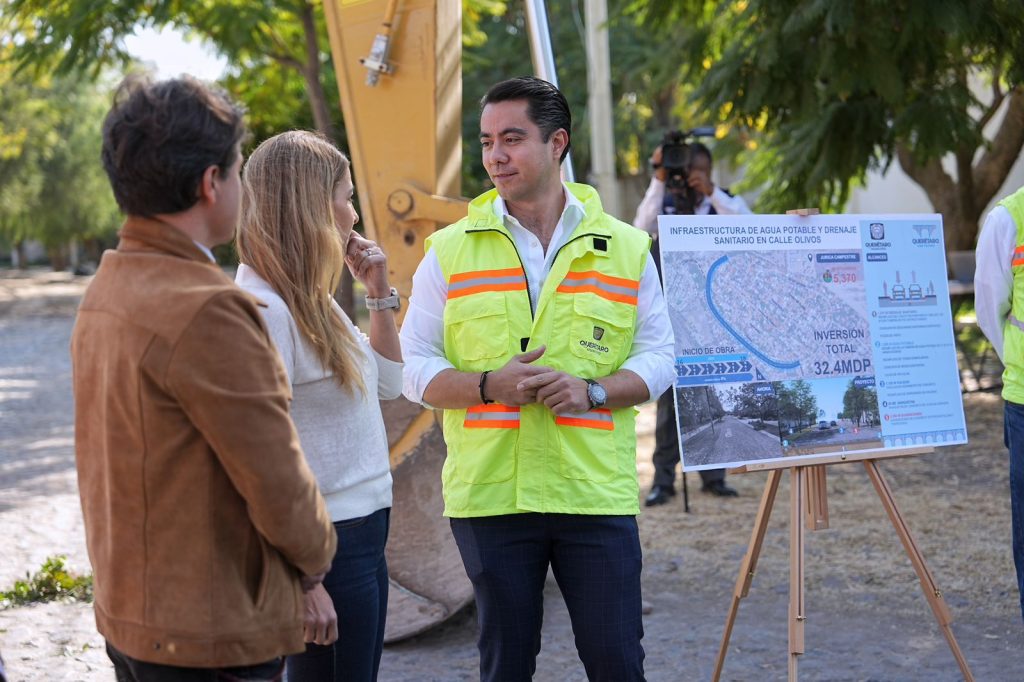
(203, 521)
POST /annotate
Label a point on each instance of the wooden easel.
(809, 499)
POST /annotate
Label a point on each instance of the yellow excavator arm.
(399, 69)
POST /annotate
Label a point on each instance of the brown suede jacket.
(200, 511)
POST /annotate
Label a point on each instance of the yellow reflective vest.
(504, 459)
(1013, 330)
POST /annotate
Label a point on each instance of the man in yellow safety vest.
(999, 302)
(537, 323)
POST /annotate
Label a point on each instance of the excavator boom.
(399, 74)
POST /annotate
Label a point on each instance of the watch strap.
(391, 301)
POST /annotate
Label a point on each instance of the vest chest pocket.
(601, 330)
(476, 329)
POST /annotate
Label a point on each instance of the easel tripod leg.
(931, 590)
(749, 564)
(798, 503)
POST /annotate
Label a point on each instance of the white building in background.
(895, 192)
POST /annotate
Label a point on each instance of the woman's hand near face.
(368, 264)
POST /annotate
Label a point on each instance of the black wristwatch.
(595, 391)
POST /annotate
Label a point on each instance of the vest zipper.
(529, 299)
(577, 238)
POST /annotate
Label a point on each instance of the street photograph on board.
(828, 415)
(801, 336)
(725, 424)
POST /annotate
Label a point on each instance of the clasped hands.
(520, 382)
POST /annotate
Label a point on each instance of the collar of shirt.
(205, 249)
(537, 262)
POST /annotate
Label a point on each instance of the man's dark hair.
(546, 105)
(160, 137)
(699, 148)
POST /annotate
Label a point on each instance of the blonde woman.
(294, 239)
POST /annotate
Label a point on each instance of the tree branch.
(311, 72)
(995, 164)
(930, 175)
(965, 180)
(997, 99)
(287, 60)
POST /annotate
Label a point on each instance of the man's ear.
(559, 140)
(207, 189)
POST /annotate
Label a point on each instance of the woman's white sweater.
(342, 433)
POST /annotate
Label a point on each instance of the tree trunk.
(959, 222)
(345, 295)
(962, 201)
(18, 255)
(58, 258)
(311, 75)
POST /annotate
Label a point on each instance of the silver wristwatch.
(596, 393)
(391, 301)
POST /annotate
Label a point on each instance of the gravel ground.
(867, 618)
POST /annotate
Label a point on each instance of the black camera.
(676, 156)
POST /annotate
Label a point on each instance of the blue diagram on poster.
(800, 336)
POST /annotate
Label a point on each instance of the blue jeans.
(358, 586)
(596, 562)
(1013, 431)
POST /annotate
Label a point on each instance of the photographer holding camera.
(681, 185)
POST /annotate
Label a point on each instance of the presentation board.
(799, 336)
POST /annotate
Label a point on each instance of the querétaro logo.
(924, 235)
(593, 347)
(598, 333)
(877, 231)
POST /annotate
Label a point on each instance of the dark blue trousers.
(358, 586)
(596, 561)
(1013, 431)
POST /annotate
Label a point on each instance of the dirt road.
(866, 620)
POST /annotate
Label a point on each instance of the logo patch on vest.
(598, 333)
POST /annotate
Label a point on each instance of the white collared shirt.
(993, 274)
(422, 334)
(205, 249)
(652, 205)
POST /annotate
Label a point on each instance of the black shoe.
(719, 488)
(659, 495)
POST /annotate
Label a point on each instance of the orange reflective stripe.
(493, 416)
(595, 419)
(608, 279)
(1018, 257)
(478, 281)
(611, 288)
(475, 274)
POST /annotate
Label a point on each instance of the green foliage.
(52, 581)
(860, 404)
(645, 69)
(840, 87)
(749, 403)
(52, 187)
(797, 403)
(266, 44)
